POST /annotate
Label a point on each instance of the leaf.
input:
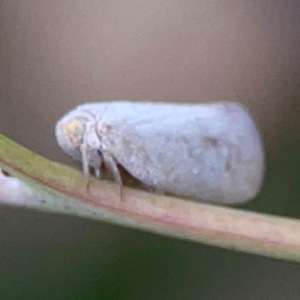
(60, 189)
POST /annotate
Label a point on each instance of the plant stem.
(60, 189)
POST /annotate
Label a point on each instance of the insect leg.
(98, 168)
(85, 165)
(98, 172)
(84, 159)
(111, 165)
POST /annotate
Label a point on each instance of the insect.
(210, 152)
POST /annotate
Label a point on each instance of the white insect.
(211, 152)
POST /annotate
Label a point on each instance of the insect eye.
(75, 130)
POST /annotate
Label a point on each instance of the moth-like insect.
(210, 152)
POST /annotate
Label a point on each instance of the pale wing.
(211, 152)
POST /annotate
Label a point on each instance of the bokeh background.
(56, 54)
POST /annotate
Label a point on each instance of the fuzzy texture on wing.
(211, 152)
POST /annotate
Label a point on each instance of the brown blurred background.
(57, 54)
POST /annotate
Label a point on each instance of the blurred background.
(55, 55)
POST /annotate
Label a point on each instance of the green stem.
(61, 189)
